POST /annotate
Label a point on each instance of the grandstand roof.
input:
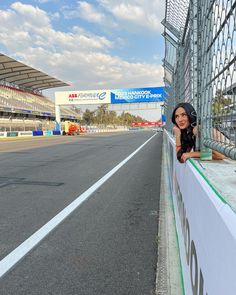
(20, 74)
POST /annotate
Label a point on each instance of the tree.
(128, 119)
(101, 117)
(112, 117)
(88, 117)
(220, 106)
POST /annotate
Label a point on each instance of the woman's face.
(181, 118)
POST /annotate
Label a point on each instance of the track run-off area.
(79, 215)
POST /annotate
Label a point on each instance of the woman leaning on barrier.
(184, 118)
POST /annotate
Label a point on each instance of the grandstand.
(22, 104)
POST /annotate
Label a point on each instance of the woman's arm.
(217, 156)
(216, 135)
(186, 156)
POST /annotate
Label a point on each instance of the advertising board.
(3, 134)
(24, 133)
(137, 95)
(12, 134)
(82, 97)
(115, 96)
(47, 133)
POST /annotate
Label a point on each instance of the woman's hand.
(176, 131)
(217, 156)
(195, 130)
(185, 157)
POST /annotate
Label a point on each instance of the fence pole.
(204, 71)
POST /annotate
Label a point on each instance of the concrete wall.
(206, 228)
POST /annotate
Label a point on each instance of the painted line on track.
(23, 249)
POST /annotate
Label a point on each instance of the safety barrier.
(37, 133)
(53, 132)
(3, 134)
(101, 130)
(25, 133)
(12, 134)
(29, 133)
(206, 228)
(56, 132)
(48, 133)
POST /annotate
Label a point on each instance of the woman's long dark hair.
(187, 139)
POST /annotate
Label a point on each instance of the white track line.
(23, 249)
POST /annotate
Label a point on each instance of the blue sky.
(91, 44)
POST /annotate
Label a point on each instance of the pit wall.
(206, 228)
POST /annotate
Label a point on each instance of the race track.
(107, 244)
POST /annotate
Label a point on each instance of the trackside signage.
(3, 134)
(206, 228)
(82, 97)
(25, 133)
(115, 96)
(136, 95)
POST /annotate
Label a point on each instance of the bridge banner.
(115, 96)
(137, 95)
(82, 97)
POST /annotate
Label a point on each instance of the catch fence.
(200, 68)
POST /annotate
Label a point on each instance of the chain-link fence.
(200, 67)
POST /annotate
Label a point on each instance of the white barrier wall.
(52, 132)
(3, 134)
(206, 229)
(24, 133)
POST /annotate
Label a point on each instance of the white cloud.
(55, 16)
(131, 15)
(78, 56)
(43, 1)
(85, 11)
(97, 70)
(31, 22)
(32, 15)
(128, 12)
(140, 13)
(88, 12)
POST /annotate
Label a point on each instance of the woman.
(184, 118)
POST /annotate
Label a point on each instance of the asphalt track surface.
(105, 246)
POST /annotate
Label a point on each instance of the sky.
(91, 44)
